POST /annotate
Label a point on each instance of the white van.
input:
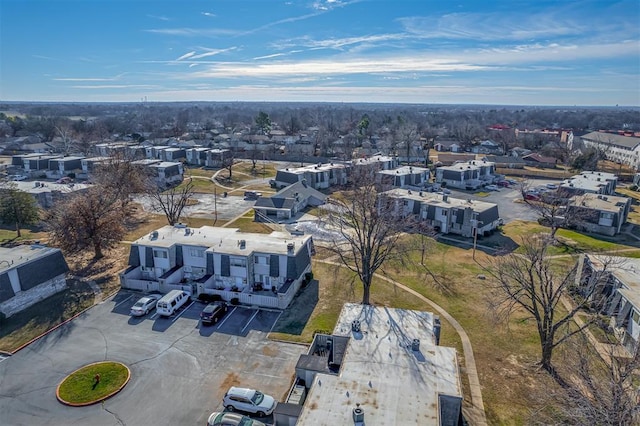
(171, 301)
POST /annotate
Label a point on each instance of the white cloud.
(186, 55)
(208, 14)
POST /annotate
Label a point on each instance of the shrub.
(235, 301)
(215, 297)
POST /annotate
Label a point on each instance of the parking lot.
(180, 369)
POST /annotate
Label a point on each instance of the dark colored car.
(212, 313)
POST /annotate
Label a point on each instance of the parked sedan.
(231, 419)
(144, 305)
(212, 313)
(492, 188)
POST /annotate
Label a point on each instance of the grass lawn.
(246, 224)
(9, 235)
(263, 170)
(35, 320)
(506, 353)
(81, 388)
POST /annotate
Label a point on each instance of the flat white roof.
(436, 199)
(223, 240)
(404, 170)
(16, 256)
(393, 384)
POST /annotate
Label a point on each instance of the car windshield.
(257, 398)
(138, 304)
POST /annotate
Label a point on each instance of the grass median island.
(82, 387)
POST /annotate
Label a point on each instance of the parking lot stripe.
(274, 323)
(249, 322)
(226, 317)
(183, 311)
(120, 303)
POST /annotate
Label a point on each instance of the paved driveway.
(180, 370)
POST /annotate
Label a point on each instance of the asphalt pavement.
(180, 370)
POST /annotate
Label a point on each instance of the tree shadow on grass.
(44, 315)
(294, 319)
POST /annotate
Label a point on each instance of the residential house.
(89, 165)
(196, 156)
(317, 176)
(287, 202)
(537, 160)
(381, 162)
(506, 161)
(450, 159)
(28, 274)
(173, 154)
(470, 175)
(36, 166)
(405, 177)
(136, 152)
(487, 147)
(601, 214)
(446, 214)
(617, 148)
(380, 366)
(109, 149)
(254, 269)
(167, 173)
(155, 152)
(441, 145)
(616, 295)
(60, 167)
(19, 159)
(591, 182)
(217, 158)
(47, 194)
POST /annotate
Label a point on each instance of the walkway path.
(479, 417)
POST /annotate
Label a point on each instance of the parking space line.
(249, 322)
(120, 303)
(226, 317)
(183, 311)
(154, 315)
(274, 323)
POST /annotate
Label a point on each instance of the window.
(238, 262)
(605, 215)
(160, 254)
(261, 260)
(196, 252)
(636, 317)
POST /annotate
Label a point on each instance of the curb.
(84, 404)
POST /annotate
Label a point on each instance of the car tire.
(260, 414)
(230, 408)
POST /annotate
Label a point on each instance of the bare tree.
(604, 391)
(367, 223)
(92, 219)
(123, 178)
(528, 281)
(173, 201)
(551, 208)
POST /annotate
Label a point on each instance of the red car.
(532, 197)
(503, 183)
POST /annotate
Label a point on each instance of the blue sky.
(408, 51)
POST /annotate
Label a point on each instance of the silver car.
(231, 419)
(144, 305)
